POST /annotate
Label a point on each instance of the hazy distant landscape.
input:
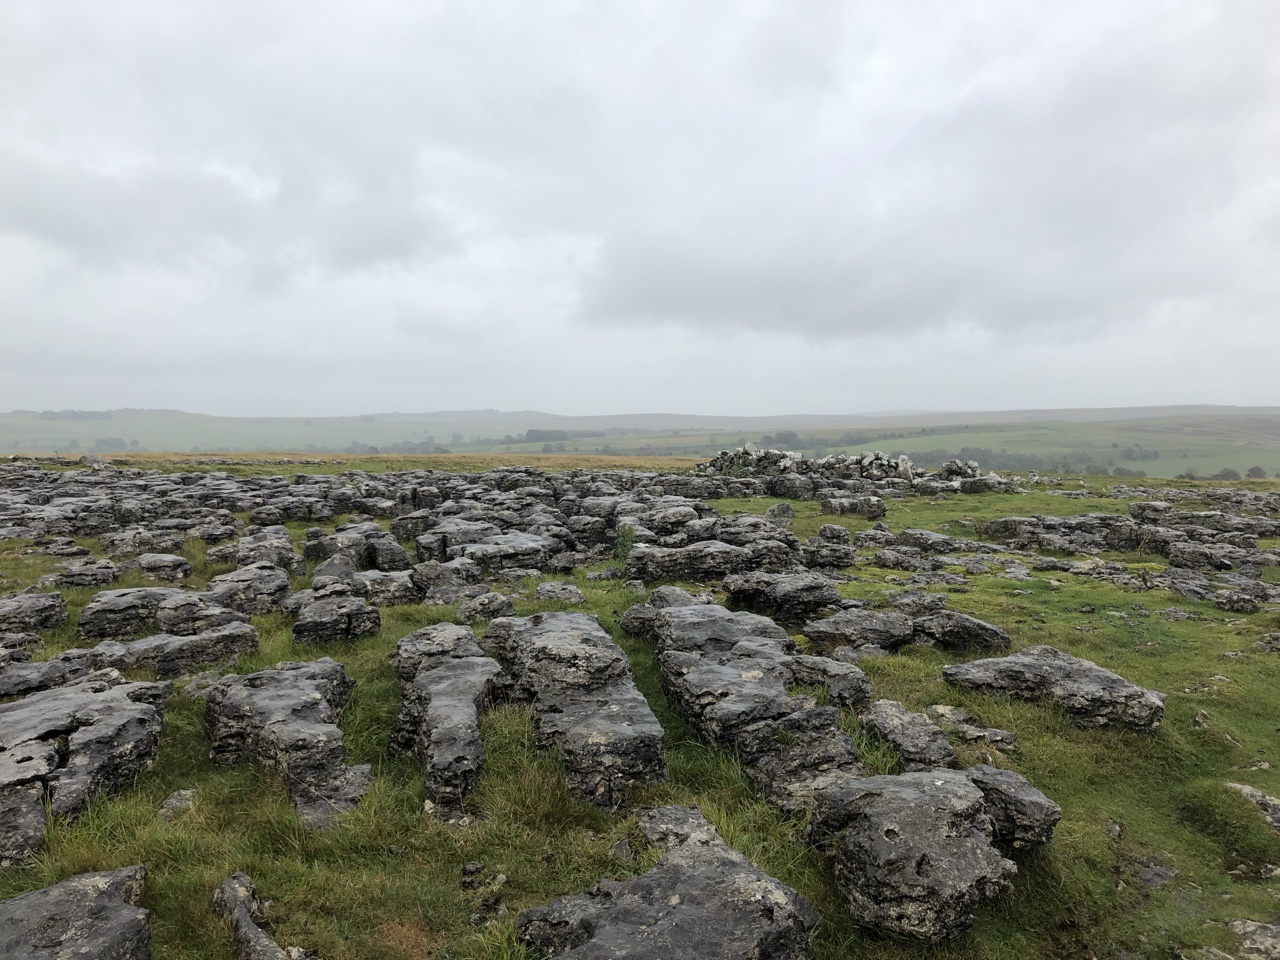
(1151, 441)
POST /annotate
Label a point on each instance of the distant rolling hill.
(1160, 441)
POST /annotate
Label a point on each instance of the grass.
(385, 884)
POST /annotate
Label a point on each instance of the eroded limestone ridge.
(446, 681)
(914, 854)
(64, 746)
(585, 701)
(286, 719)
(702, 899)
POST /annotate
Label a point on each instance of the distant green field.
(1158, 443)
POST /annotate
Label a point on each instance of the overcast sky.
(731, 208)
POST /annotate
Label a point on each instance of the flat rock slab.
(111, 731)
(92, 916)
(286, 719)
(446, 681)
(702, 899)
(705, 560)
(1090, 694)
(174, 656)
(585, 701)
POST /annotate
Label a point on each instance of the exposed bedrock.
(91, 916)
(446, 681)
(286, 719)
(66, 745)
(585, 701)
(1090, 694)
(701, 899)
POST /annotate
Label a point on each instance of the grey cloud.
(498, 186)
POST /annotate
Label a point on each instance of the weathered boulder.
(585, 701)
(506, 550)
(959, 631)
(271, 545)
(258, 588)
(286, 719)
(710, 627)
(861, 628)
(124, 613)
(913, 853)
(336, 618)
(920, 744)
(787, 597)
(18, 677)
(386, 588)
(871, 508)
(1022, 817)
(28, 611)
(445, 682)
(701, 899)
(91, 916)
(487, 606)
(444, 583)
(185, 614)
(68, 744)
(557, 592)
(704, 560)
(82, 573)
(1091, 695)
(166, 567)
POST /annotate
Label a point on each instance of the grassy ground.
(385, 884)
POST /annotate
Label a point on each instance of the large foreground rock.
(286, 719)
(92, 916)
(585, 701)
(702, 899)
(66, 745)
(1093, 696)
(445, 683)
(913, 853)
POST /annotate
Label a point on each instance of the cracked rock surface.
(445, 682)
(286, 719)
(91, 916)
(585, 701)
(702, 899)
(66, 745)
(1092, 695)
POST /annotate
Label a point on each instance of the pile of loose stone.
(913, 854)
